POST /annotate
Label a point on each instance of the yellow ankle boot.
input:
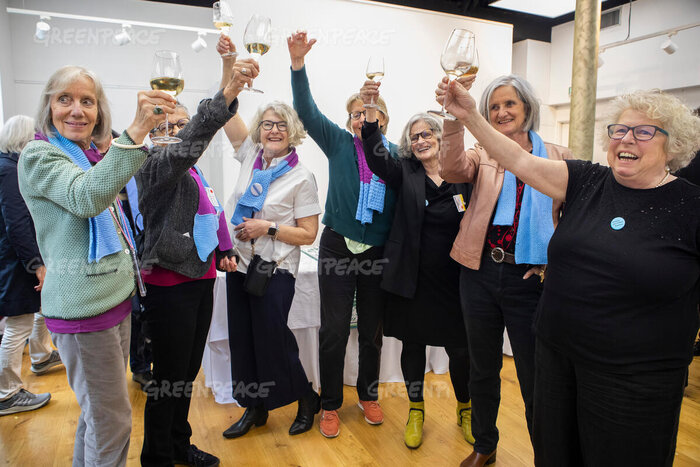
(464, 419)
(413, 436)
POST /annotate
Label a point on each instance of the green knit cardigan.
(61, 197)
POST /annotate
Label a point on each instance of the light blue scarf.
(372, 188)
(254, 196)
(536, 226)
(206, 225)
(104, 240)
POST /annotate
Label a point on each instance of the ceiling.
(525, 26)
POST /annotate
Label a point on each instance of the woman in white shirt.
(276, 211)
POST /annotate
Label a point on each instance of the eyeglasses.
(356, 115)
(268, 124)
(425, 134)
(180, 124)
(640, 132)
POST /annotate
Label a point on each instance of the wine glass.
(223, 20)
(374, 72)
(166, 76)
(458, 59)
(257, 39)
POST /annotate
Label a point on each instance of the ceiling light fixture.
(669, 46)
(123, 37)
(199, 44)
(42, 28)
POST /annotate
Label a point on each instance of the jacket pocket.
(174, 247)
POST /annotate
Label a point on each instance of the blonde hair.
(405, 147)
(16, 133)
(381, 106)
(676, 118)
(59, 81)
(295, 129)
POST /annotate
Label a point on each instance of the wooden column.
(584, 78)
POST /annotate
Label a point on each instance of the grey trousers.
(96, 369)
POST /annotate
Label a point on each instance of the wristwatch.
(273, 230)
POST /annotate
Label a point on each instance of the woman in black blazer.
(421, 278)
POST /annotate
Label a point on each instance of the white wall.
(7, 83)
(348, 32)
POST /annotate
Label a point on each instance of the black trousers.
(493, 297)
(413, 369)
(340, 274)
(265, 365)
(586, 416)
(177, 320)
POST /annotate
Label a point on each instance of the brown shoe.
(477, 459)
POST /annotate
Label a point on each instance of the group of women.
(459, 239)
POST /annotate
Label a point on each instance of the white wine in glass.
(459, 58)
(223, 20)
(257, 39)
(166, 76)
(374, 72)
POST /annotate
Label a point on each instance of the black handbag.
(259, 273)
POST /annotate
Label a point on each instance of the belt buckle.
(498, 255)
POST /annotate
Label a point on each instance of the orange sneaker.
(373, 412)
(330, 423)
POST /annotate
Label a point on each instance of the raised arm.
(547, 176)
(323, 131)
(456, 165)
(241, 72)
(377, 156)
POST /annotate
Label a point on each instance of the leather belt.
(498, 255)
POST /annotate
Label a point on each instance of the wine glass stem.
(167, 132)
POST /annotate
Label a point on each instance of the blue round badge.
(256, 189)
(426, 202)
(617, 223)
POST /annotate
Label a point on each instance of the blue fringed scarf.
(104, 239)
(372, 188)
(536, 226)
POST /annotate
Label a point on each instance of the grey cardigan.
(169, 197)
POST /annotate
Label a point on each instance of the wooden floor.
(45, 437)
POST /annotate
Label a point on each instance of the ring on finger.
(244, 71)
(157, 110)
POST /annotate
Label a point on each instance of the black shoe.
(696, 350)
(198, 458)
(252, 416)
(145, 379)
(309, 405)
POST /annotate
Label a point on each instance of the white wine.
(461, 69)
(172, 86)
(375, 75)
(223, 26)
(257, 48)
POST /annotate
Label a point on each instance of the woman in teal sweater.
(358, 215)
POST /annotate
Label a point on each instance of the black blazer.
(19, 253)
(407, 177)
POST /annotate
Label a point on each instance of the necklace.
(668, 172)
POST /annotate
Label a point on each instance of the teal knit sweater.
(343, 178)
(61, 197)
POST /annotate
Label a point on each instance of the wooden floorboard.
(45, 437)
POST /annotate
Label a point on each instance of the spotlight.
(42, 28)
(199, 44)
(123, 37)
(669, 46)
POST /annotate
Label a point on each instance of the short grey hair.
(180, 105)
(295, 129)
(59, 81)
(405, 148)
(675, 117)
(525, 93)
(16, 133)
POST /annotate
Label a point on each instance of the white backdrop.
(348, 32)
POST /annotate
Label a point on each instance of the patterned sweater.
(61, 197)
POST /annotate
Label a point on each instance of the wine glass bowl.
(223, 20)
(166, 76)
(257, 40)
(459, 58)
(374, 72)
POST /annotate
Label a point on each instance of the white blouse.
(292, 196)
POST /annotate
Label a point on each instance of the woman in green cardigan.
(358, 215)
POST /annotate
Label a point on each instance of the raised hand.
(225, 45)
(299, 45)
(149, 112)
(455, 98)
(369, 92)
(242, 72)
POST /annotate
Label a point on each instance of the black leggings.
(413, 368)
